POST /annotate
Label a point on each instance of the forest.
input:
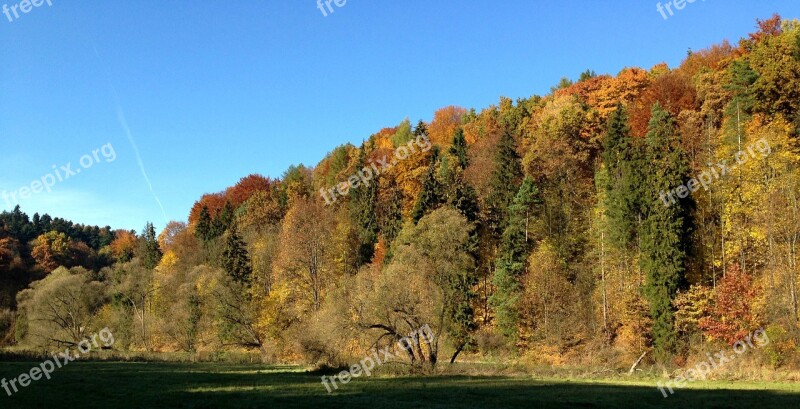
(649, 216)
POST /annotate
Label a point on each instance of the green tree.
(428, 282)
(363, 214)
(459, 192)
(235, 259)
(623, 162)
(587, 75)
(151, 254)
(430, 197)
(402, 135)
(666, 228)
(515, 246)
(421, 129)
(459, 148)
(223, 221)
(60, 310)
(464, 198)
(203, 229)
(504, 182)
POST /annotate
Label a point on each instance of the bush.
(491, 343)
(781, 345)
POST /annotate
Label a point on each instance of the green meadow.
(215, 385)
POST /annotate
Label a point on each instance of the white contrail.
(124, 123)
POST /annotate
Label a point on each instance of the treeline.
(565, 228)
(31, 247)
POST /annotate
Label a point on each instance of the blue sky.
(198, 94)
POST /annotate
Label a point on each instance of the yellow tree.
(305, 258)
(124, 245)
(549, 300)
(776, 215)
(50, 250)
(444, 124)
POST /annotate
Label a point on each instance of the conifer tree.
(223, 221)
(504, 183)
(515, 246)
(430, 197)
(363, 214)
(465, 199)
(235, 259)
(203, 228)
(461, 195)
(421, 129)
(152, 251)
(666, 228)
(459, 148)
(622, 157)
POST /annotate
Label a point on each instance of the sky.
(122, 112)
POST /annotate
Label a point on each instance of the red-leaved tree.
(732, 317)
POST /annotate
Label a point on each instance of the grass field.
(179, 385)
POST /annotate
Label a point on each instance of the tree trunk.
(458, 351)
(635, 364)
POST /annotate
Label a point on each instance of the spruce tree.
(421, 129)
(203, 228)
(459, 148)
(460, 194)
(363, 214)
(465, 199)
(235, 259)
(430, 197)
(152, 251)
(504, 183)
(666, 229)
(622, 157)
(515, 246)
(223, 221)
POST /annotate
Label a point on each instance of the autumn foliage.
(733, 314)
(445, 121)
(532, 228)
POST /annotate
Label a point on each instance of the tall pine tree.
(223, 221)
(203, 228)
(235, 259)
(363, 214)
(459, 148)
(622, 157)
(431, 196)
(666, 228)
(460, 194)
(515, 247)
(152, 251)
(504, 183)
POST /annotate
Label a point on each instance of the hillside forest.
(653, 212)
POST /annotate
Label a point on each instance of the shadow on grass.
(175, 385)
